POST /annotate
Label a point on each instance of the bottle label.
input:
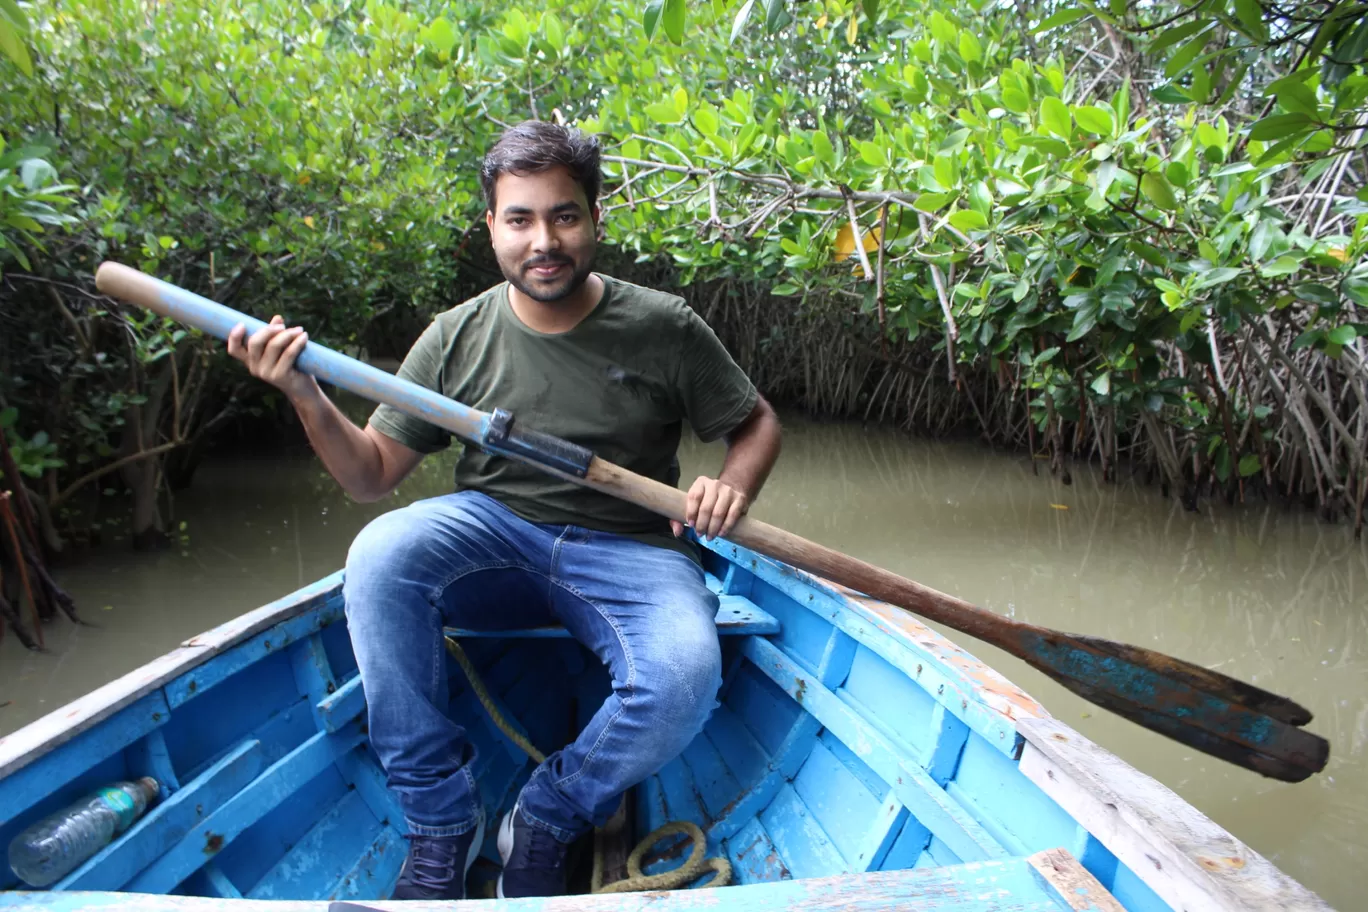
(122, 804)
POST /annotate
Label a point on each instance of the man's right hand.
(270, 355)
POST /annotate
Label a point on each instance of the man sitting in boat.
(599, 362)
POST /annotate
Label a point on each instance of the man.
(600, 362)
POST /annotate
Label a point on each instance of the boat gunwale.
(43, 735)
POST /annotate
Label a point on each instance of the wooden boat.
(858, 759)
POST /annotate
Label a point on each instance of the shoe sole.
(505, 844)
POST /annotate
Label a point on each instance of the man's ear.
(489, 219)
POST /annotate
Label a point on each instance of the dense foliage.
(1106, 231)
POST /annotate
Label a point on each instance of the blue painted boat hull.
(854, 750)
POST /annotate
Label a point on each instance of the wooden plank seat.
(735, 616)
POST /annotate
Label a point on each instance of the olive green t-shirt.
(621, 383)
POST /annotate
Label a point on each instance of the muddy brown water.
(1275, 598)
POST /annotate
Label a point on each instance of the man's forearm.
(346, 451)
(751, 452)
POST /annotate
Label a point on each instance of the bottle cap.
(151, 785)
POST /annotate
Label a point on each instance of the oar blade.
(1205, 710)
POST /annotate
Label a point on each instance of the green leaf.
(651, 15)
(12, 44)
(739, 22)
(1158, 190)
(1102, 385)
(1170, 94)
(968, 220)
(1249, 464)
(1172, 36)
(1283, 265)
(969, 47)
(706, 119)
(1207, 135)
(774, 15)
(1015, 101)
(821, 147)
(1055, 115)
(1341, 335)
(1063, 17)
(1251, 16)
(664, 112)
(440, 35)
(555, 31)
(1295, 96)
(1094, 120)
(673, 20)
(1279, 126)
(930, 202)
(1183, 57)
(873, 154)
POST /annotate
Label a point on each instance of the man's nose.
(545, 239)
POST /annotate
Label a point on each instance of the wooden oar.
(1204, 709)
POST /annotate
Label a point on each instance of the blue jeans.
(465, 560)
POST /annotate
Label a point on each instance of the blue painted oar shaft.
(347, 373)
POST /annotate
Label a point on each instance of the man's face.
(542, 230)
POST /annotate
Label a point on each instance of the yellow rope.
(695, 866)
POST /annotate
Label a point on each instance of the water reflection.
(1270, 597)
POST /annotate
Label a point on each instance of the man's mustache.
(547, 261)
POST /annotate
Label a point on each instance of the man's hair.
(534, 146)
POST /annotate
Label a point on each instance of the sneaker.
(533, 859)
(436, 865)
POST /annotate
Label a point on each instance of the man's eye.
(517, 221)
(566, 218)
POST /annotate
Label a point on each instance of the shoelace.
(543, 849)
(434, 862)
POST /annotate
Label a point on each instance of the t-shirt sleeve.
(716, 394)
(423, 366)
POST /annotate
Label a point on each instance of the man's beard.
(547, 292)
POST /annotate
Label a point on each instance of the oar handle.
(346, 373)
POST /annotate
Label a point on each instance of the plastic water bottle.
(55, 846)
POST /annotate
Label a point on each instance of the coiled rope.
(693, 867)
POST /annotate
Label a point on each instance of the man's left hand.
(712, 508)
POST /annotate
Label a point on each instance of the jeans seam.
(629, 685)
(440, 589)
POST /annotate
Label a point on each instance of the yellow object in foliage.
(845, 244)
(1060, 506)
(308, 220)
(822, 22)
(845, 241)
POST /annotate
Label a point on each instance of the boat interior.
(850, 739)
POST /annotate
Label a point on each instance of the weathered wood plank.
(974, 692)
(1186, 858)
(1078, 889)
(245, 808)
(167, 823)
(243, 627)
(25, 787)
(343, 705)
(927, 801)
(149, 756)
(231, 660)
(1008, 886)
(736, 616)
(21, 748)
